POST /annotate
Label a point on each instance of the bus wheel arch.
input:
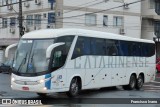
(75, 86)
(140, 80)
(132, 82)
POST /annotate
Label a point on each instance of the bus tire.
(139, 82)
(42, 94)
(74, 88)
(132, 83)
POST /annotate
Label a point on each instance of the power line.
(84, 6)
(106, 9)
(101, 24)
(100, 10)
(41, 20)
(103, 10)
(14, 3)
(108, 27)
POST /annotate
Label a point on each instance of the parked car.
(158, 67)
(6, 67)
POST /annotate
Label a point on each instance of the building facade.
(151, 21)
(115, 16)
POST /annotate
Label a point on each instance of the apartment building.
(151, 21)
(115, 16)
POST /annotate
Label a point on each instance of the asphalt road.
(150, 90)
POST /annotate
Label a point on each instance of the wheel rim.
(74, 87)
(140, 82)
(132, 82)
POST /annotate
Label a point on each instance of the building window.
(4, 22)
(90, 19)
(157, 6)
(105, 20)
(12, 21)
(4, 2)
(37, 19)
(152, 4)
(12, 1)
(157, 28)
(51, 17)
(29, 20)
(117, 21)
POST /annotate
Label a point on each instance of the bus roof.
(52, 33)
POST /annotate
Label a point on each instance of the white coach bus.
(70, 60)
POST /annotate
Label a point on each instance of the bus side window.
(82, 47)
(150, 49)
(144, 50)
(58, 57)
(93, 46)
(100, 47)
(123, 45)
(111, 48)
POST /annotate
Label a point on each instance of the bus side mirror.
(8, 48)
(51, 47)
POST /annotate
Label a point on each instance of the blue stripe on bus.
(48, 83)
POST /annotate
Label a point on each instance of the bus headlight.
(44, 80)
(45, 88)
(13, 79)
(41, 81)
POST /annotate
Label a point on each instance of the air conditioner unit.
(126, 6)
(44, 15)
(26, 4)
(37, 2)
(12, 30)
(121, 31)
(10, 7)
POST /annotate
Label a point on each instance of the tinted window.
(100, 47)
(82, 47)
(123, 47)
(108, 47)
(59, 54)
(67, 40)
(111, 47)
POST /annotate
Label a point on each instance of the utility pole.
(21, 32)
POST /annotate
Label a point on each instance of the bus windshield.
(30, 57)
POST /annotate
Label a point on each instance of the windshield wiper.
(22, 63)
(32, 57)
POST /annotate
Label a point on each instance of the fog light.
(13, 79)
(44, 88)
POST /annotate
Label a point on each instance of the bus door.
(58, 60)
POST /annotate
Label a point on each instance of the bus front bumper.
(38, 88)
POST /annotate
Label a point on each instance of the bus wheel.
(132, 83)
(139, 82)
(42, 94)
(74, 88)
